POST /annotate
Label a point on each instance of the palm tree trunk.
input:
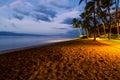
(109, 28)
(103, 23)
(103, 17)
(94, 34)
(87, 34)
(117, 22)
(98, 31)
(94, 24)
(109, 34)
(118, 30)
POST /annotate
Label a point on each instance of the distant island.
(4, 33)
(69, 34)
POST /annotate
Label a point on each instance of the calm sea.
(16, 42)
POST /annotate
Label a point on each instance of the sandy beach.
(70, 60)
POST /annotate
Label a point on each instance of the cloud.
(24, 12)
(50, 13)
(18, 16)
(67, 21)
(66, 17)
(60, 4)
(21, 7)
(30, 26)
(72, 33)
(41, 17)
(45, 10)
(62, 28)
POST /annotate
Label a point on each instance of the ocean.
(16, 42)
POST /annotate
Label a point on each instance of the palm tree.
(106, 4)
(85, 23)
(86, 26)
(76, 23)
(100, 9)
(101, 15)
(91, 8)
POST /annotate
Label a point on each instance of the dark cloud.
(40, 13)
(73, 33)
(41, 17)
(60, 5)
(23, 12)
(67, 21)
(70, 34)
(46, 10)
(61, 28)
(19, 17)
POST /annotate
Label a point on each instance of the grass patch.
(83, 36)
(114, 40)
(111, 40)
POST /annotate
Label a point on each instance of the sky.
(38, 16)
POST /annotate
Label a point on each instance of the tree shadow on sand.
(80, 42)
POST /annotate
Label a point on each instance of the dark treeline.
(100, 18)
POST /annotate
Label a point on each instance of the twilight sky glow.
(38, 16)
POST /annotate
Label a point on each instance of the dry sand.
(71, 60)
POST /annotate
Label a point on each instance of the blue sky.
(38, 16)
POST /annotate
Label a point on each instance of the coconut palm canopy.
(97, 18)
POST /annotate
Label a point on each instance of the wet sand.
(70, 60)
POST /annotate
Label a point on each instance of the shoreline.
(36, 46)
